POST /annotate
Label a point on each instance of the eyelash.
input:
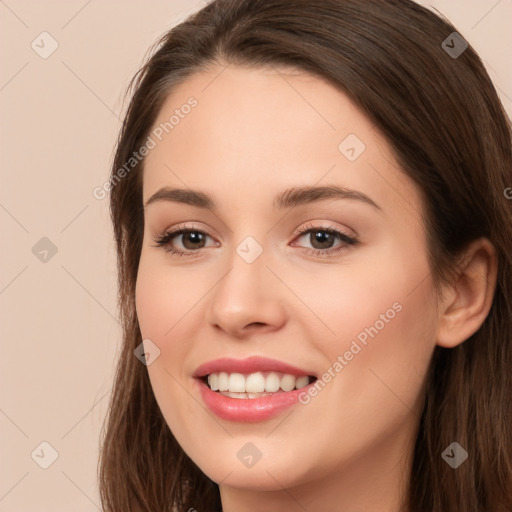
(165, 239)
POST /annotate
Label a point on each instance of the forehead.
(259, 129)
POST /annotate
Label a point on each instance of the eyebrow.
(289, 198)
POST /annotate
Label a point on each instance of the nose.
(248, 299)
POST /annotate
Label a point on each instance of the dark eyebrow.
(304, 195)
(185, 196)
(287, 199)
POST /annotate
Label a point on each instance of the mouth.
(255, 385)
(251, 390)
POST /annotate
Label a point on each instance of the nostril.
(256, 324)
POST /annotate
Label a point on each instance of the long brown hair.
(441, 115)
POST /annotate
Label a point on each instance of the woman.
(314, 251)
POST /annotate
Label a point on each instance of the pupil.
(194, 239)
(323, 238)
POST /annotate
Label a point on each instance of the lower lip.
(246, 410)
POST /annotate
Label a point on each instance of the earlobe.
(468, 299)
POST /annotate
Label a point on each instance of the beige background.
(60, 118)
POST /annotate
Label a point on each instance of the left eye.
(324, 238)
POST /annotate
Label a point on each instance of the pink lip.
(250, 365)
(248, 409)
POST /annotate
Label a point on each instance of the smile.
(255, 385)
(250, 390)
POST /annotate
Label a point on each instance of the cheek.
(163, 297)
(166, 303)
(381, 299)
(385, 353)
(159, 310)
(378, 335)
(371, 390)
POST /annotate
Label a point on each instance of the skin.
(254, 133)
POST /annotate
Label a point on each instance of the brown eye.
(323, 240)
(183, 241)
(192, 239)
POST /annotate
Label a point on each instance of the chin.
(261, 477)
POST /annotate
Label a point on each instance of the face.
(293, 257)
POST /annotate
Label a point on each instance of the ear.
(467, 300)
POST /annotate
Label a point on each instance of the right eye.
(191, 240)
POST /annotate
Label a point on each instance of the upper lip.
(249, 365)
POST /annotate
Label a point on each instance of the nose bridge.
(248, 293)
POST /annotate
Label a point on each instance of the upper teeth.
(258, 382)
